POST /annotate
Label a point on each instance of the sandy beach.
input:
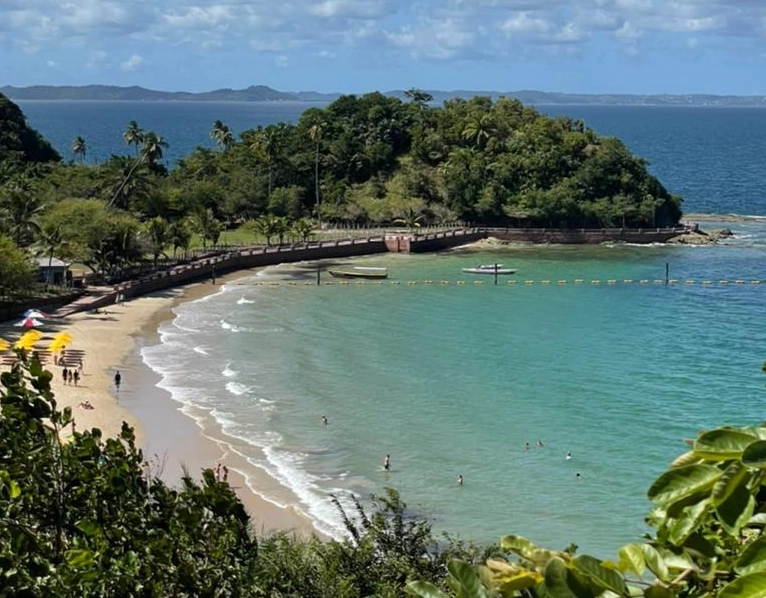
(108, 342)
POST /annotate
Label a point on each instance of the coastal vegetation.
(361, 161)
(84, 515)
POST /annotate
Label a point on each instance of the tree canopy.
(361, 160)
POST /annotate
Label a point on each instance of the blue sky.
(355, 46)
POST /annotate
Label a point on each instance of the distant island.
(262, 93)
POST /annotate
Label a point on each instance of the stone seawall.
(585, 236)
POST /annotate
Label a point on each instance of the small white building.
(52, 271)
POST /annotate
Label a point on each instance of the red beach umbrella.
(29, 323)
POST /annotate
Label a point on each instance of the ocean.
(453, 378)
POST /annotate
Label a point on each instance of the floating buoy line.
(517, 283)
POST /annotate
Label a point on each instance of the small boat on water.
(360, 272)
(490, 269)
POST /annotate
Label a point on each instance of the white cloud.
(133, 63)
(522, 23)
(432, 30)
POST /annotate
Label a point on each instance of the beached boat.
(490, 269)
(360, 272)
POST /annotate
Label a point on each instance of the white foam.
(228, 372)
(237, 389)
(200, 350)
(285, 468)
(243, 301)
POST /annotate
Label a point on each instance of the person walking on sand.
(387, 462)
(76, 376)
(117, 380)
(65, 375)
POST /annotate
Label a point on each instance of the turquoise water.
(456, 378)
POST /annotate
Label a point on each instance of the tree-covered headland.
(87, 516)
(366, 160)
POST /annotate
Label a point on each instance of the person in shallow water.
(387, 462)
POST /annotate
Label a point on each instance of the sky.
(356, 46)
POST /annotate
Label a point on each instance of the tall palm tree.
(315, 133)
(265, 146)
(133, 135)
(79, 149)
(151, 153)
(151, 148)
(222, 135)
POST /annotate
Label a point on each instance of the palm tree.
(151, 153)
(268, 225)
(418, 96)
(265, 147)
(412, 219)
(179, 235)
(302, 228)
(133, 135)
(48, 243)
(480, 129)
(221, 134)
(315, 133)
(151, 148)
(79, 149)
(20, 209)
(158, 231)
(206, 225)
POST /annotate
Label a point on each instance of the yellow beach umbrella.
(4, 344)
(65, 336)
(28, 340)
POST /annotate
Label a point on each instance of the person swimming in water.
(387, 462)
(459, 480)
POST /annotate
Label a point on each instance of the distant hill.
(254, 93)
(262, 93)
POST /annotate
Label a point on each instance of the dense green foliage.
(367, 160)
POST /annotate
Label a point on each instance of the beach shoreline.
(173, 444)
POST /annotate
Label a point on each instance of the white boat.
(490, 269)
